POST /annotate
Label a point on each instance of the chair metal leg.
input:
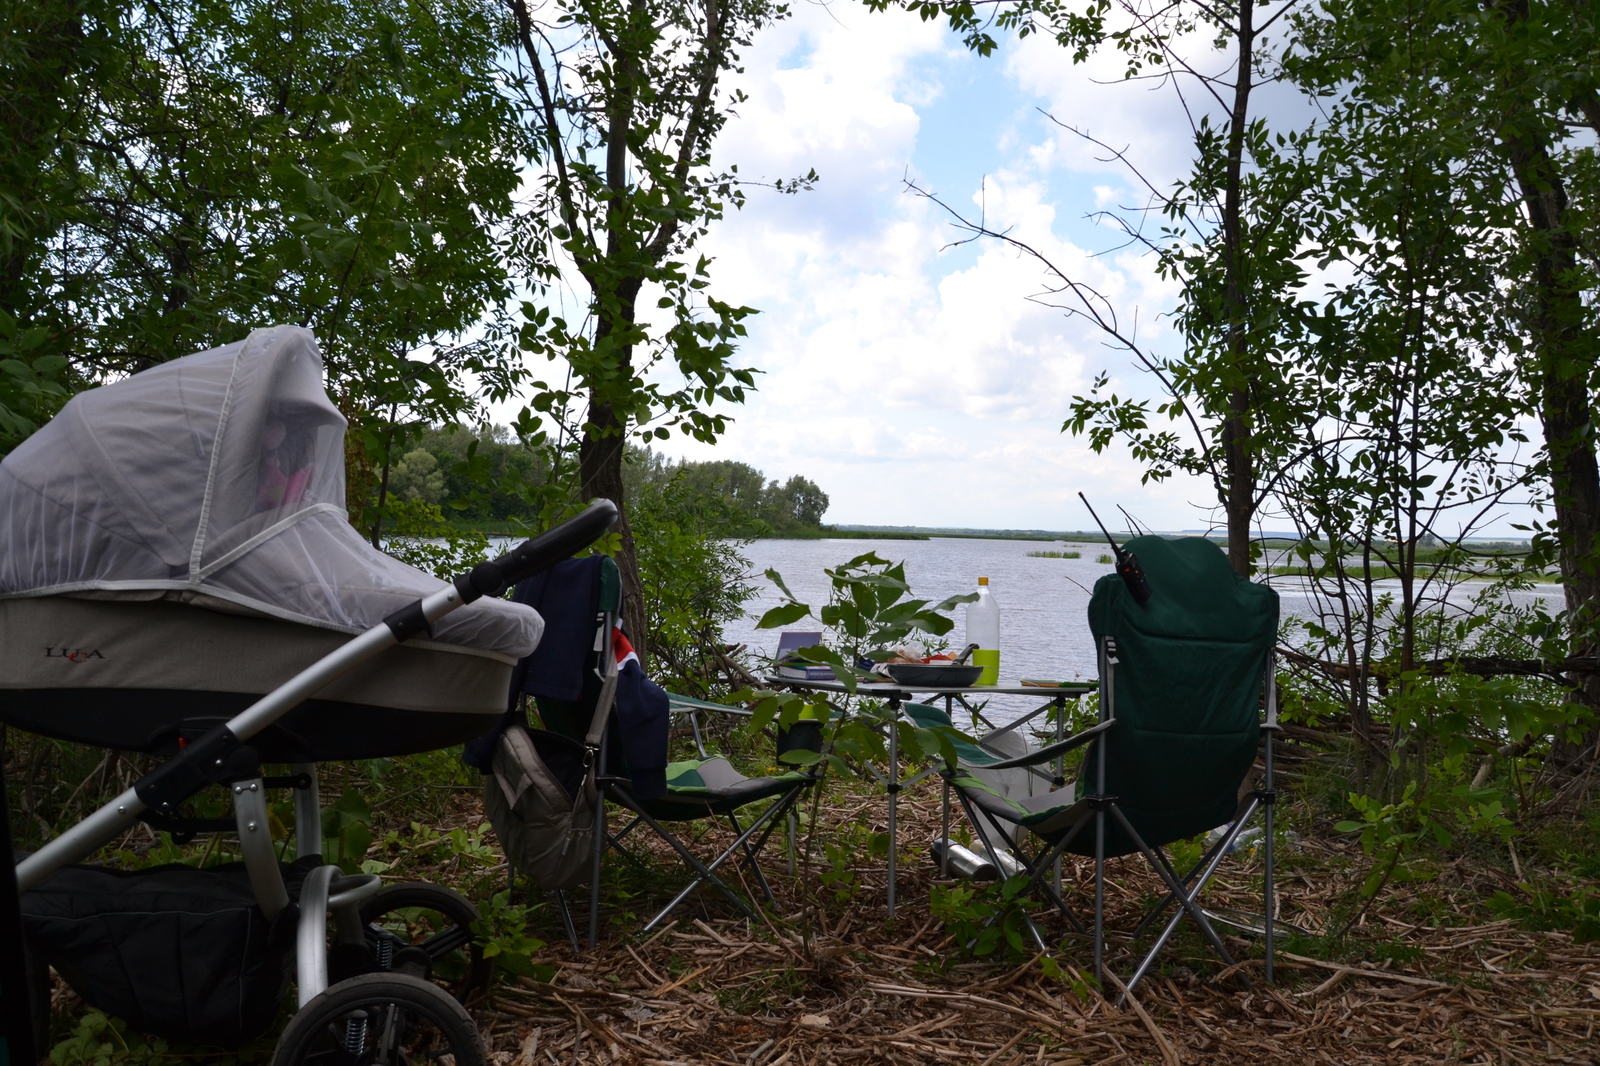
(594, 870)
(1053, 856)
(1210, 868)
(694, 725)
(1035, 869)
(944, 832)
(994, 857)
(1185, 898)
(1060, 779)
(1099, 897)
(1220, 846)
(1266, 891)
(1267, 795)
(706, 872)
(566, 919)
(894, 794)
(750, 859)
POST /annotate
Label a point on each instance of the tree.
(797, 502)
(625, 99)
(1511, 80)
(416, 476)
(740, 483)
(188, 172)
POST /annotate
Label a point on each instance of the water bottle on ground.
(983, 629)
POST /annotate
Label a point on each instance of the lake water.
(1043, 602)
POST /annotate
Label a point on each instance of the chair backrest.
(579, 600)
(1185, 691)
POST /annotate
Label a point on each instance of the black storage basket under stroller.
(180, 952)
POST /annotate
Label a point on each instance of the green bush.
(1542, 909)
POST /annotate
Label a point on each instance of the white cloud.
(915, 383)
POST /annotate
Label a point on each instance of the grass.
(1055, 555)
(1104, 560)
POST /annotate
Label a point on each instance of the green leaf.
(786, 614)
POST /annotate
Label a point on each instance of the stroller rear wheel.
(413, 925)
(381, 1019)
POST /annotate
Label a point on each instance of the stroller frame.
(222, 756)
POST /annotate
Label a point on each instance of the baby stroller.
(179, 579)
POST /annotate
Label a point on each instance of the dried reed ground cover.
(1427, 976)
(831, 980)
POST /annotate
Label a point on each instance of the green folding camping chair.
(1181, 683)
(580, 623)
(707, 786)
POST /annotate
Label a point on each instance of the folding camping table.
(896, 694)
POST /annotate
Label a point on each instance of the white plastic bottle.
(983, 629)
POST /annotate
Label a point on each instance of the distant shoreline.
(501, 528)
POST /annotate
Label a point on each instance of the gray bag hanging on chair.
(541, 797)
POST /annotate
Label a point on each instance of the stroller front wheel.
(381, 1019)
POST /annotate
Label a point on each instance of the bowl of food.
(936, 674)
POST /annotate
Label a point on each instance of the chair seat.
(697, 787)
(968, 753)
(1046, 815)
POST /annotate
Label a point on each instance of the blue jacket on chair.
(562, 668)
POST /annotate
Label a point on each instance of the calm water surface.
(1044, 628)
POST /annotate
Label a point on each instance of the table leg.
(894, 792)
(1061, 766)
(944, 833)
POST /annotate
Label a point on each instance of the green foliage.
(852, 845)
(186, 173)
(982, 918)
(869, 611)
(503, 932)
(473, 847)
(416, 476)
(1540, 908)
(488, 473)
(1390, 831)
(347, 832)
(422, 537)
(646, 74)
(753, 506)
(31, 387)
(98, 1040)
(693, 576)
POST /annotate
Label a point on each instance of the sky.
(916, 382)
(919, 379)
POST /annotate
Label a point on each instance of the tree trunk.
(1239, 500)
(1564, 363)
(600, 456)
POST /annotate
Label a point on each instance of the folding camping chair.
(707, 786)
(1181, 678)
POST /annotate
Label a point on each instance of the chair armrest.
(685, 705)
(1034, 758)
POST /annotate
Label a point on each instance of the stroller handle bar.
(213, 757)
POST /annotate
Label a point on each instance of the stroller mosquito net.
(214, 481)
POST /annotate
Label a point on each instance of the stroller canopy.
(216, 479)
